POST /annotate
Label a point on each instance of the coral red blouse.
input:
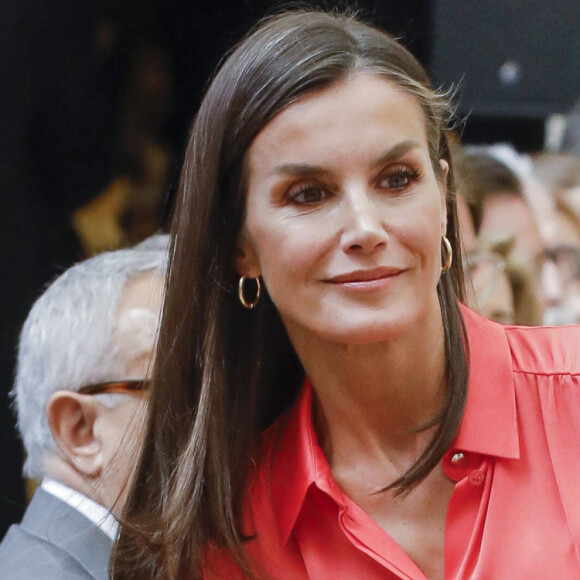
(515, 510)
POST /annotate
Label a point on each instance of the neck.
(60, 470)
(370, 399)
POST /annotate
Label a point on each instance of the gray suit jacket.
(54, 542)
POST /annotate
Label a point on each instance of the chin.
(371, 328)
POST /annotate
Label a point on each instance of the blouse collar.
(489, 425)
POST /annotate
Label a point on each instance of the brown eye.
(399, 179)
(308, 195)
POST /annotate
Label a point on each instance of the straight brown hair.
(224, 373)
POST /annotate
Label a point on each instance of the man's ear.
(71, 417)
(246, 261)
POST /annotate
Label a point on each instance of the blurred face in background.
(565, 261)
(558, 224)
(561, 240)
(466, 227)
(489, 291)
(508, 214)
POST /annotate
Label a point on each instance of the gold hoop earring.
(245, 303)
(449, 252)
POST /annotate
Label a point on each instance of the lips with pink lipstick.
(365, 279)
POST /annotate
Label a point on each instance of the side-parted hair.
(223, 373)
(67, 339)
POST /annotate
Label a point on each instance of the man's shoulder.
(24, 556)
(54, 541)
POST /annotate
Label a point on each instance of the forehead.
(508, 213)
(363, 108)
(138, 314)
(142, 291)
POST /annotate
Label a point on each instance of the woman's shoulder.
(541, 350)
(545, 350)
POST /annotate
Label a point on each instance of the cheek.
(283, 258)
(422, 238)
(128, 429)
(287, 247)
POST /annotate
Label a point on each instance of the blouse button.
(457, 458)
(477, 477)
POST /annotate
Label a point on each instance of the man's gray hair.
(67, 339)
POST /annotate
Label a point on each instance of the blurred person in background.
(83, 366)
(571, 140)
(566, 259)
(490, 287)
(466, 226)
(498, 211)
(548, 185)
(559, 176)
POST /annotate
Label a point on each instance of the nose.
(363, 229)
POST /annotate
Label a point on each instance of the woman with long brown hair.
(310, 415)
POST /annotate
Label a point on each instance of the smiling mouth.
(365, 276)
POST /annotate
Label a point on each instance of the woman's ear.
(71, 417)
(246, 258)
(443, 181)
(445, 171)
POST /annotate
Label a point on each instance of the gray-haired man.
(84, 358)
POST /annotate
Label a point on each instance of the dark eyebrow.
(301, 169)
(395, 152)
(307, 170)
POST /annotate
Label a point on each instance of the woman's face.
(344, 213)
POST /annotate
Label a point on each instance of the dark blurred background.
(97, 97)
